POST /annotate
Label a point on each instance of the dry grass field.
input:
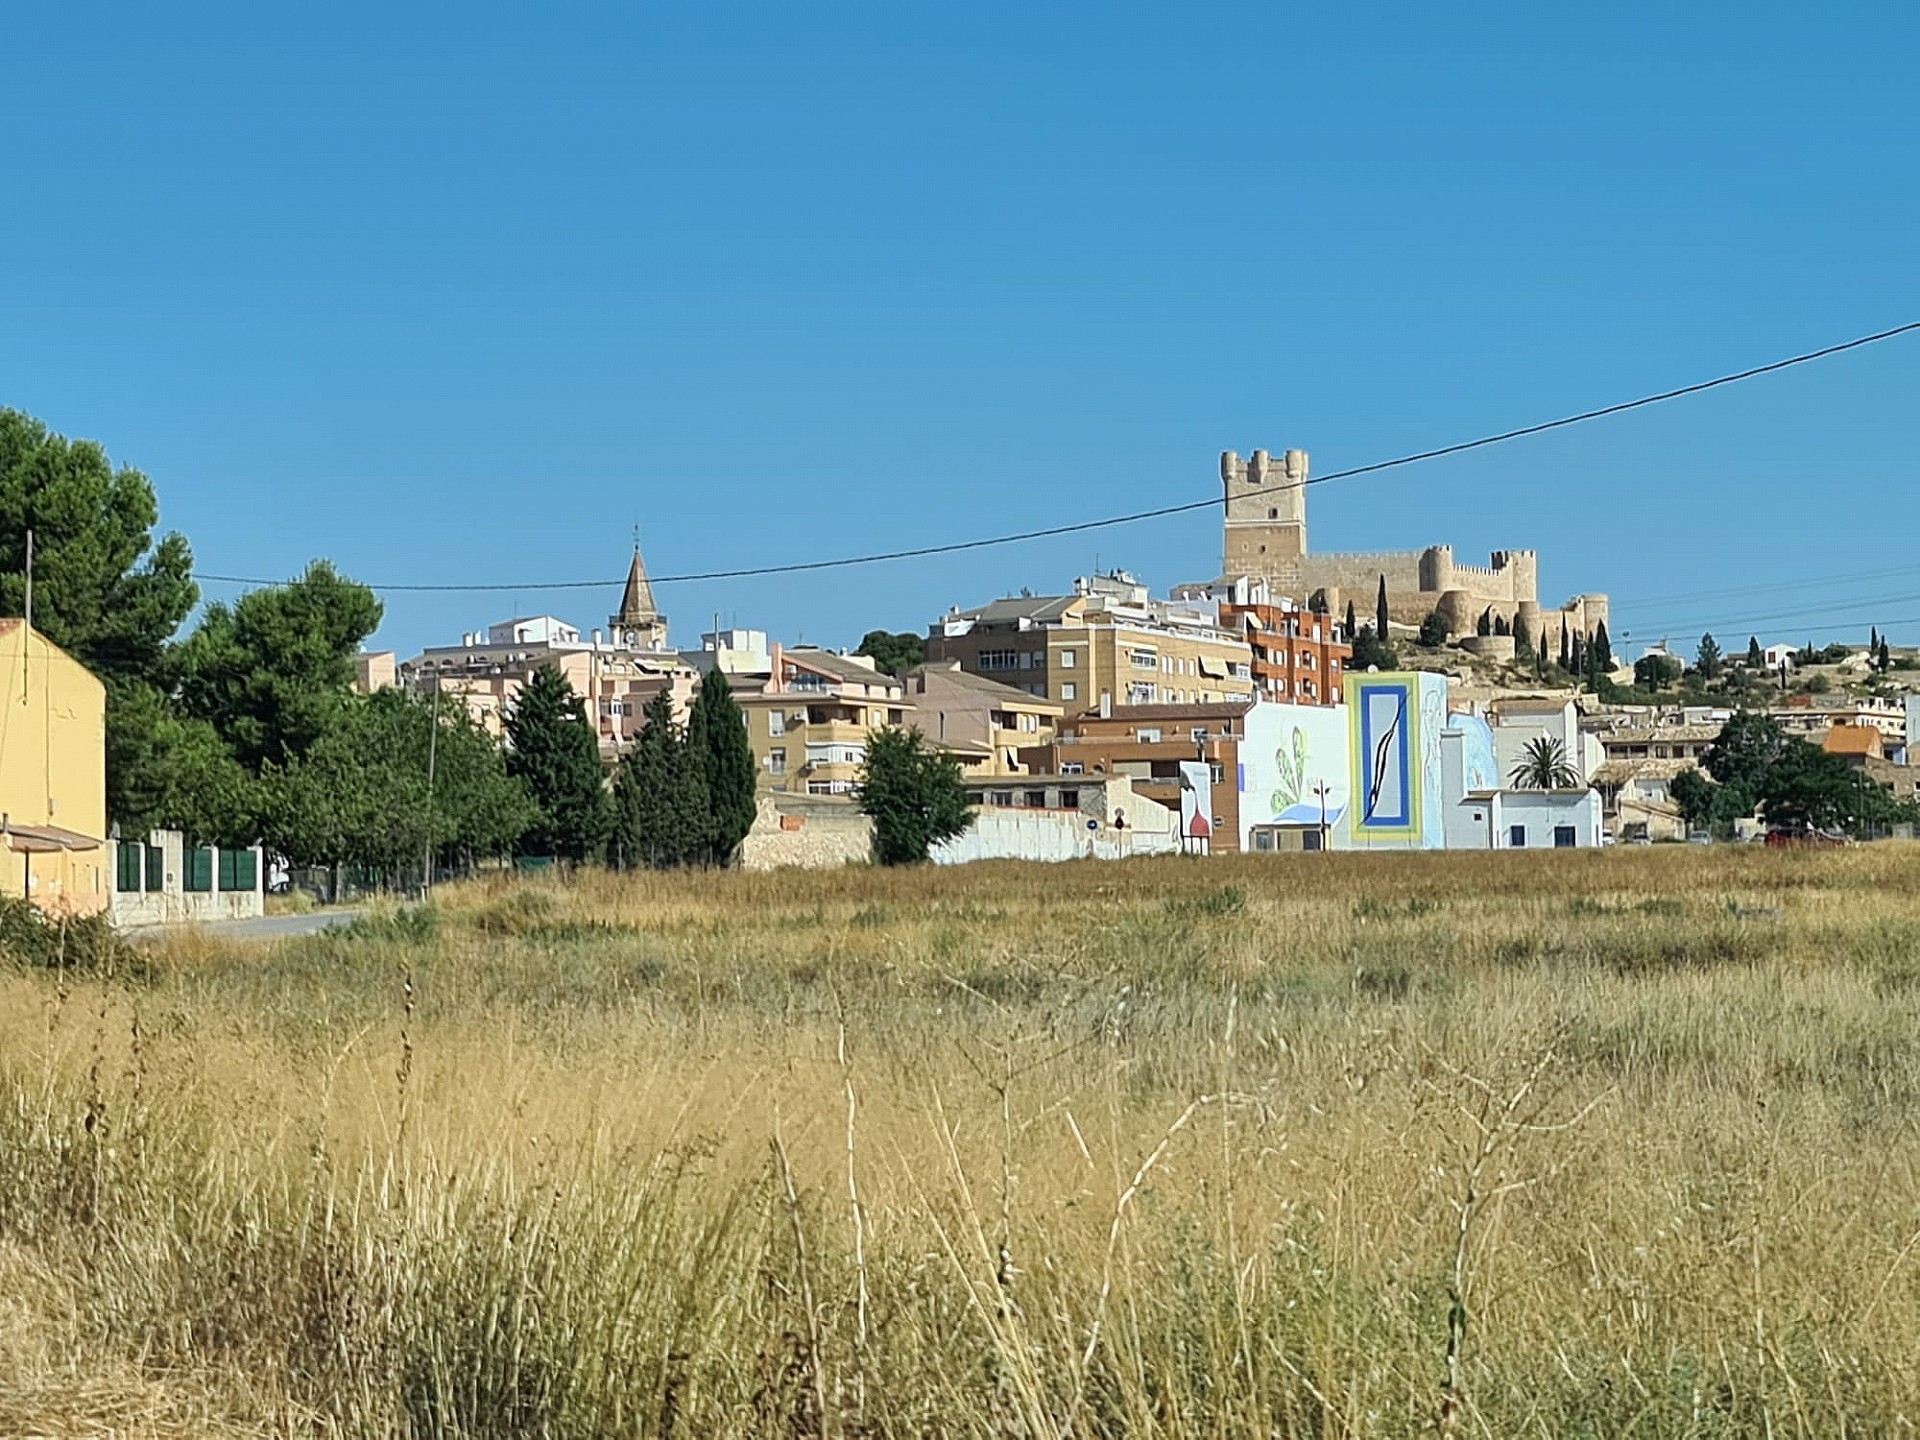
(1521, 1145)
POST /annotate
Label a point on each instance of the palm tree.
(1543, 766)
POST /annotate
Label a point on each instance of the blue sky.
(464, 293)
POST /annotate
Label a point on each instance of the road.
(265, 927)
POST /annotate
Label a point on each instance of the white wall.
(1543, 810)
(173, 904)
(1514, 733)
(1004, 833)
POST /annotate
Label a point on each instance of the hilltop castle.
(1266, 537)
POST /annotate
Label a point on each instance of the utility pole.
(433, 747)
(26, 640)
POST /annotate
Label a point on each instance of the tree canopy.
(1543, 766)
(915, 795)
(556, 752)
(893, 651)
(717, 740)
(660, 805)
(103, 589)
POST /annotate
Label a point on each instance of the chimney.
(1106, 704)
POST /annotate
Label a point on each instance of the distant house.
(162, 880)
(982, 722)
(53, 775)
(1856, 744)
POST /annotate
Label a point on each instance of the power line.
(1049, 532)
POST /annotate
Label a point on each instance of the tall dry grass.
(1551, 1145)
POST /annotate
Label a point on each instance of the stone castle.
(1266, 536)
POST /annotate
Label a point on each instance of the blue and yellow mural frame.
(1384, 727)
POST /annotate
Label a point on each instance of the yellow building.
(1108, 641)
(53, 775)
(980, 722)
(808, 724)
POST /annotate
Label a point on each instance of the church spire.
(637, 622)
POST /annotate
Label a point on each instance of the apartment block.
(810, 718)
(1109, 640)
(981, 722)
(1147, 743)
(1299, 655)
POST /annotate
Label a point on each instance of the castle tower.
(1266, 515)
(637, 624)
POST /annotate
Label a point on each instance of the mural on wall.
(1396, 723)
(1479, 769)
(1293, 767)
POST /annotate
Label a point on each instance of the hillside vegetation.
(1558, 1144)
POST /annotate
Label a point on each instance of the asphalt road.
(266, 927)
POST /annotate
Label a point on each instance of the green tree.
(1381, 619)
(103, 590)
(1709, 806)
(1566, 647)
(1522, 636)
(1433, 630)
(1543, 766)
(1371, 652)
(1707, 662)
(1353, 623)
(1756, 657)
(1885, 657)
(915, 795)
(1748, 745)
(893, 651)
(555, 752)
(272, 671)
(360, 795)
(661, 814)
(1656, 672)
(1484, 625)
(717, 739)
(1600, 657)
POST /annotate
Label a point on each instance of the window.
(132, 860)
(777, 762)
(1198, 734)
(776, 722)
(239, 870)
(199, 876)
(1141, 693)
(1148, 734)
(1002, 798)
(1517, 837)
(1219, 773)
(1069, 691)
(1026, 660)
(1036, 799)
(1069, 799)
(998, 659)
(1069, 659)
(1564, 837)
(1078, 767)
(1144, 659)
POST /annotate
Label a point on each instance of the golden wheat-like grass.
(1557, 1144)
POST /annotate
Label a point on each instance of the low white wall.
(999, 833)
(172, 904)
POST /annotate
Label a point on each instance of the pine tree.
(717, 740)
(660, 801)
(1380, 612)
(554, 750)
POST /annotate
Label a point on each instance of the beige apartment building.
(1109, 639)
(615, 674)
(809, 720)
(980, 722)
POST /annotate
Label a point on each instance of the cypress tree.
(1602, 648)
(660, 798)
(1522, 636)
(555, 751)
(1484, 626)
(1566, 650)
(1543, 650)
(717, 740)
(1353, 625)
(1380, 612)
(1886, 656)
(1756, 657)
